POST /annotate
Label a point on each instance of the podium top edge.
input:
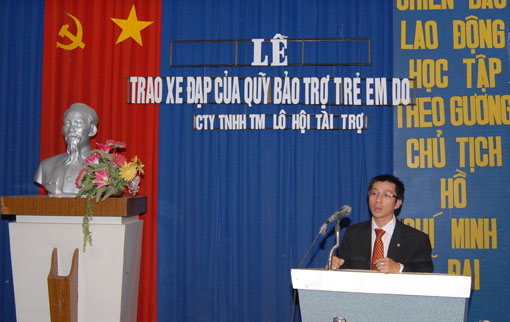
(69, 206)
(364, 281)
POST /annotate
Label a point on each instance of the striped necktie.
(378, 247)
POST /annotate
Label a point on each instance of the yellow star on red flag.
(131, 27)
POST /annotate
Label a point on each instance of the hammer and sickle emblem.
(75, 39)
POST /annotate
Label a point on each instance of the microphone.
(344, 211)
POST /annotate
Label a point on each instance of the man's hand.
(336, 262)
(387, 265)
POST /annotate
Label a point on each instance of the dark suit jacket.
(408, 246)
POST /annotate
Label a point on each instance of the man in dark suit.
(401, 248)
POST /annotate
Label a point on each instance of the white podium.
(108, 271)
(361, 296)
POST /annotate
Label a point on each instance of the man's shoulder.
(410, 230)
(360, 226)
(50, 165)
(54, 160)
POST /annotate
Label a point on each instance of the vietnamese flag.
(90, 49)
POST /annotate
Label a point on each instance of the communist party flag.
(90, 49)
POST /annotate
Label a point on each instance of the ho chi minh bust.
(58, 174)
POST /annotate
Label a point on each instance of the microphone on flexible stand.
(342, 212)
(345, 210)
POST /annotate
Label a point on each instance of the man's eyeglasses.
(385, 195)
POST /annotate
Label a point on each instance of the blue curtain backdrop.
(238, 209)
(21, 36)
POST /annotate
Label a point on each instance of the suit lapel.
(366, 243)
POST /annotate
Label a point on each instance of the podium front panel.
(324, 306)
(361, 296)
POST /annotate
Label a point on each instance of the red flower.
(105, 147)
(94, 158)
(102, 178)
(116, 144)
(119, 159)
(80, 177)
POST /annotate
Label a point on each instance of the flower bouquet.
(106, 173)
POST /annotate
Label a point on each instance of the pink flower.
(116, 144)
(105, 147)
(94, 158)
(119, 159)
(102, 178)
(80, 177)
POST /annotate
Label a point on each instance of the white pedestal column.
(108, 271)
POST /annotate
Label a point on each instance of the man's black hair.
(399, 185)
